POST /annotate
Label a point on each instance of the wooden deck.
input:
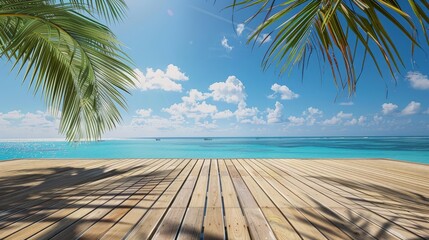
(213, 199)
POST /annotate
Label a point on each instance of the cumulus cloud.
(38, 124)
(15, 114)
(332, 121)
(312, 114)
(223, 114)
(243, 112)
(361, 120)
(193, 110)
(377, 119)
(240, 29)
(156, 122)
(254, 120)
(388, 108)
(426, 112)
(351, 122)
(344, 115)
(194, 95)
(144, 112)
(275, 115)
(312, 111)
(296, 121)
(338, 119)
(418, 80)
(283, 91)
(309, 117)
(225, 44)
(411, 108)
(230, 91)
(166, 80)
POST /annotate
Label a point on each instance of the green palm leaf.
(334, 28)
(75, 62)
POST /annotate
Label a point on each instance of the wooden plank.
(52, 183)
(235, 222)
(146, 227)
(303, 227)
(372, 207)
(233, 199)
(213, 221)
(280, 225)
(258, 224)
(67, 215)
(191, 228)
(29, 206)
(170, 224)
(159, 185)
(330, 205)
(192, 225)
(101, 213)
(27, 216)
(300, 200)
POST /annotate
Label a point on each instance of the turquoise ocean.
(413, 149)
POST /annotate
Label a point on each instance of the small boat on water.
(208, 139)
(157, 139)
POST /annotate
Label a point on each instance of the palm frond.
(336, 28)
(76, 63)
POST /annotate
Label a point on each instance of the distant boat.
(208, 139)
(157, 139)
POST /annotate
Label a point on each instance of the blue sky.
(198, 77)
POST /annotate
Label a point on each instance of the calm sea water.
(415, 149)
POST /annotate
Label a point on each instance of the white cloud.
(361, 120)
(377, 119)
(223, 114)
(312, 114)
(173, 72)
(264, 38)
(37, 124)
(388, 108)
(351, 122)
(418, 80)
(254, 120)
(243, 112)
(16, 114)
(275, 115)
(284, 92)
(240, 29)
(350, 103)
(338, 119)
(225, 44)
(230, 91)
(157, 122)
(426, 112)
(344, 115)
(296, 121)
(159, 79)
(144, 112)
(332, 121)
(195, 110)
(311, 111)
(194, 96)
(411, 108)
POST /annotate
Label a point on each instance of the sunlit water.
(414, 149)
